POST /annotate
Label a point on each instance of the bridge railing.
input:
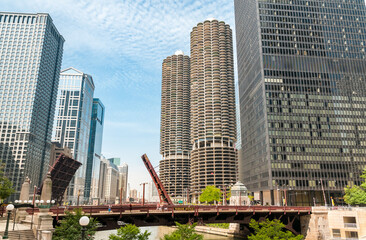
(174, 208)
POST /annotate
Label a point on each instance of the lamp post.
(84, 221)
(9, 208)
(143, 193)
(325, 200)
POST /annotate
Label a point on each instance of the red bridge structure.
(149, 215)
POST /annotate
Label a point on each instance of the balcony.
(350, 225)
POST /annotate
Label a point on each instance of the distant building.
(123, 180)
(213, 118)
(31, 53)
(133, 195)
(152, 193)
(175, 146)
(109, 181)
(94, 151)
(73, 118)
(57, 150)
(116, 161)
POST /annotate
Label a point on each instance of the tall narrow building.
(30, 60)
(94, 152)
(72, 122)
(174, 134)
(302, 89)
(213, 119)
(123, 180)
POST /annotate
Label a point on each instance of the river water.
(157, 233)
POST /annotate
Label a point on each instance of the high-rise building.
(213, 127)
(30, 60)
(123, 180)
(302, 87)
(72, 122)
(109, 181)
(56, 151)
(116, 161)
(175, 124)
(94, 151)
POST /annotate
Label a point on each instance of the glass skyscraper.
(30, 60)
(302, 88)
(73, 118)
(95, 150)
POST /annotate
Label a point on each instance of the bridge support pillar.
(42, 221)
(234, 229)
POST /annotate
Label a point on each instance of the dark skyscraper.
(213, 125)
(30, 60)
(302, 91)
(94, 150)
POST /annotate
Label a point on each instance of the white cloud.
(143, 32)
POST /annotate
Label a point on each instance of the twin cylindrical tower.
(204, 113)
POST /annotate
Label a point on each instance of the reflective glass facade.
(95, 150)
(302, 89)
(73, 118)
(30, 60)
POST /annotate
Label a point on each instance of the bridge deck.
(150, 215)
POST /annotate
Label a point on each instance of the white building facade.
(30, 61)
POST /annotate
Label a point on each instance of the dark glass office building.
(92, 191)
(302, 89)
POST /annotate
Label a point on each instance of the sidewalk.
(17, 226)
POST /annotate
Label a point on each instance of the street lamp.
(84, 221)
(9, 208)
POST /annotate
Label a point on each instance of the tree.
(356, 195)
(271, 230)
(70, 228)
(130, 232)
(184, 232)
(6, 186)
(210, 194)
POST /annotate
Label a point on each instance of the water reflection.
(157, 233)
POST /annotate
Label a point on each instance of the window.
(352, 235)
(336, 233)
(349, 222)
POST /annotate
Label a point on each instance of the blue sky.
(122, 44)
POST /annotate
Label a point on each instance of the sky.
(122, 44)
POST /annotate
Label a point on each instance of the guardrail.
(176, 208)
(350, 225)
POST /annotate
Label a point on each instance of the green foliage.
(130, 232)
(210, 194)
(271, 230)
(6, 186)
(70, 228)
(356, 195)
(219, 225)
(184, 232)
